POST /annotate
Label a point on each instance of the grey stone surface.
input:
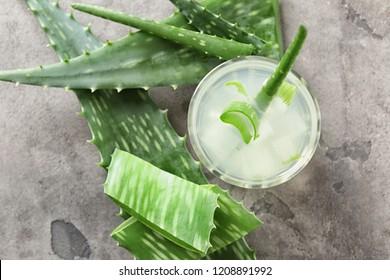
(51, 194)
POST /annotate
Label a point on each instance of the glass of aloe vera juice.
(244, 140)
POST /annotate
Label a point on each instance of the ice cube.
(265, 128)
(219, 140)
(286, 147)
(234, 164)
(290, 123)
(276, 109)
(260, 160)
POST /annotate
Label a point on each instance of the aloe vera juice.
(288, 134)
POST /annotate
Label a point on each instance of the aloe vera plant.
(213, 45)
(161, 63)
(120, 120)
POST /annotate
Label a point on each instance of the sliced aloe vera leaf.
(146, 244)
(242, 116)
(211, 23)
(238, 250)
(178, 209)
(162, 63)
(212, 45)
(286, 93)
(231, 219)
(240, 88)
(232, 222)
(133, 184)
(292, 159)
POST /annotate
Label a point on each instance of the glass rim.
(280, 177)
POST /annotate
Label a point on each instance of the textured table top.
(52, 204)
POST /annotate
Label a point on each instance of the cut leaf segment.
(177, 209)
(146, 244)
(243, 117)
(159, 199)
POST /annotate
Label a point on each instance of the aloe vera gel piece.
(287, 132)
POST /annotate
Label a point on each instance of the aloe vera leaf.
(160, 64)
(115, 67)
(272, 85)
(126, 105)
(260, 17)
(238, 250)
(146, 244)
(133, 183)
(210, 23)
(176, 208)
(242, 116)
(231, 219)
(212, 45)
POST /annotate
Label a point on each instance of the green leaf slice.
(231, 219)
(158, 198)
(238, 250)
(178, 209)
(286, 93)
(146, 244)
(244, 117)
(240, 88)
